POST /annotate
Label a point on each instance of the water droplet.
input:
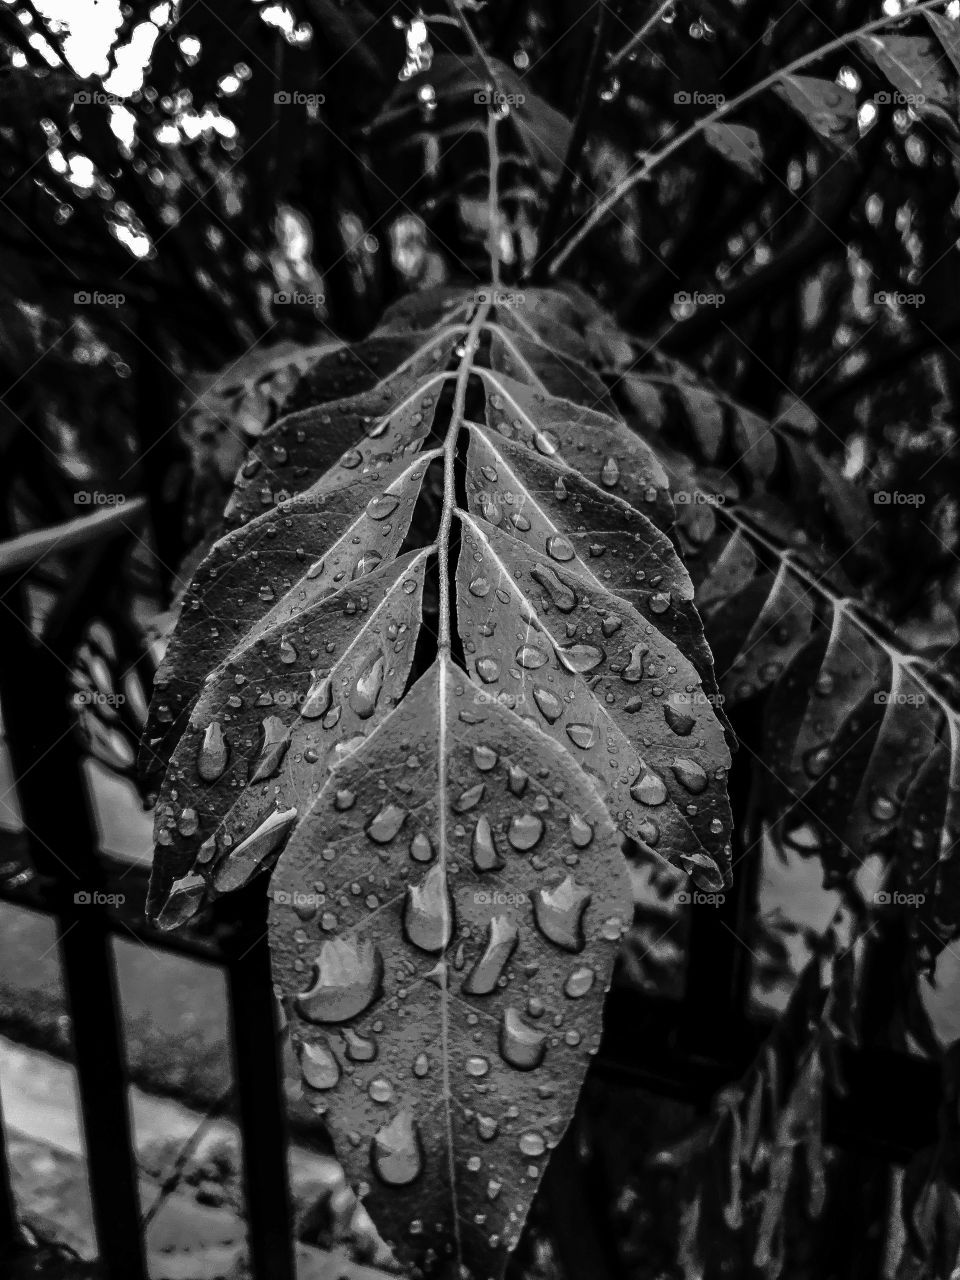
(212, 757)
(521, 1045)
(531, 658)
(681, 723)
(517, 780)
(366, 563)
(559, 548)
(487, 1128)
(421, 850)
(319, 1066)
(559, 912)
(520, 521)
(580, 658)
(579, 982)
(244, 861)
(188, 823)
(502, 936)
(359, 1048)
(488, 669)
(525, 831)
(315, 569)
(883, 808)
(485, 856)
(396, 1155)
(380, 1090)
(550, 705)
(477, 1067)
(469, 799)
(276, 740)
(546, 443)
(660, 602)
(288, 653)
(428, 912)
(384, 826)
(344, 799)
(348, 973)
(479, 586)
(421, 1065)
(186, 895)
(562, 596)
(532, 1144)
(581, 735)
(493, 1190)
(382, 506)
(318, 699)
(365, 693)
(610, 473)
(581, 832)
(648, 788)
(690, 775)
(485, 758)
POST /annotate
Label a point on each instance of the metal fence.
(685, 1049)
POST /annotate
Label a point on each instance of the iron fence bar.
(263, 1122)
(62, 840)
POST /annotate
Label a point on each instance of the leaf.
(444, 1013)
(948, 33)
(914, 68)
(458, 483)
(829, 109)
(737, 143)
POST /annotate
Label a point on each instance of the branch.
(558, 197)
(646, 166)
(616, 58)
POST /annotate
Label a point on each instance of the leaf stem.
(30, 548)
(649, 163)
(493, 196)
(457, 414)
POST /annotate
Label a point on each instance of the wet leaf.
(737, 143)
(829, 109)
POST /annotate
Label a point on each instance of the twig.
(616, 58)
(493, 197)
(642, 172)
(21, 553)
(564, 183)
